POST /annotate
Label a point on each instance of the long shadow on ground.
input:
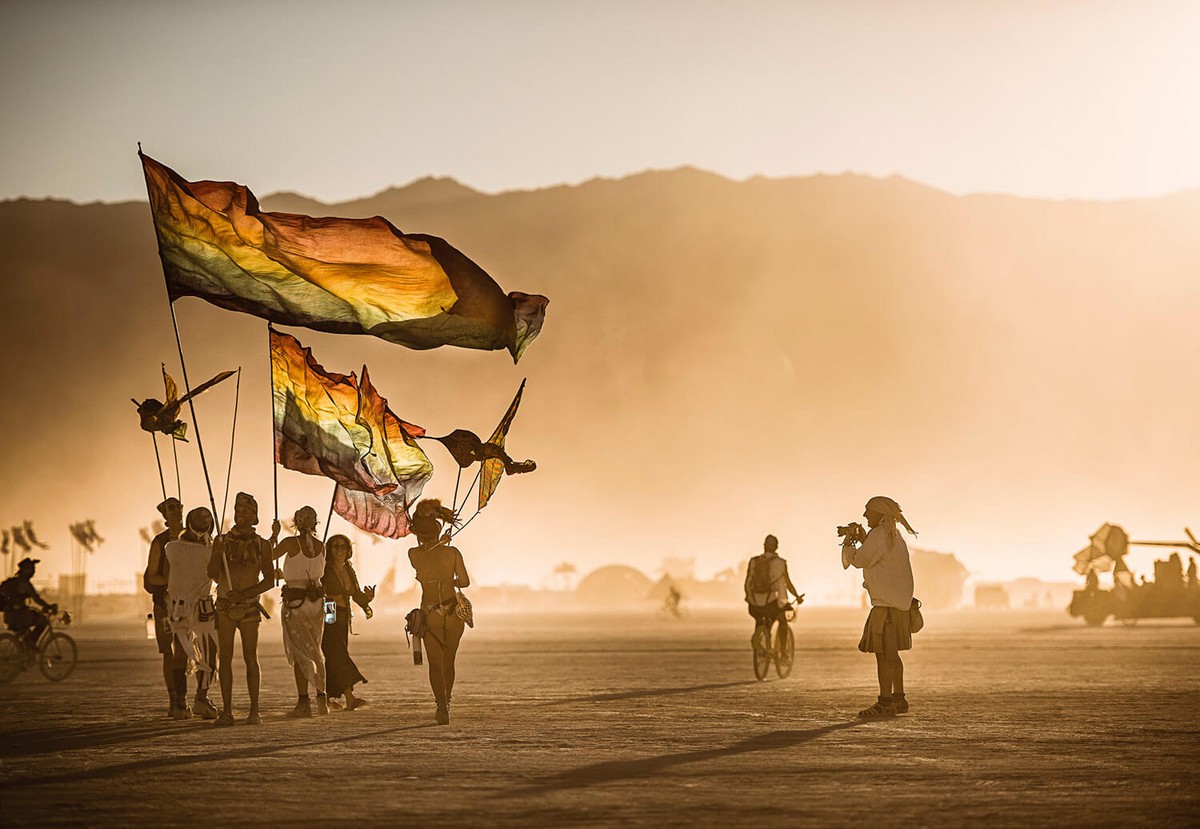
(35, 741)
(648, 692)
(157, 764)
(613, 770)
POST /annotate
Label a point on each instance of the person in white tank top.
(189, 595)
(303, 614)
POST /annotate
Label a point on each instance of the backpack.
(760, 575)
(5, 590)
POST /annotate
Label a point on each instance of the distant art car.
(1170, 595)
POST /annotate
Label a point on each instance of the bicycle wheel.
(57, 657)
(11, 657)
(787, 656)
(762, 653)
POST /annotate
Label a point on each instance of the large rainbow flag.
(345, 276)
(334, 425)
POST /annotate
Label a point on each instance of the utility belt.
(296, 596)
(237, 611)
(180, 611)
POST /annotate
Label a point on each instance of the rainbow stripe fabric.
(334, 425)
(345, 276)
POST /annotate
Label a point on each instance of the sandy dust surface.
(1018, 719)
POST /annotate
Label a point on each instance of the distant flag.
(4, 538)
(32, 536)
(494, 467)
(466, 448)
(344, 276)
(84, 532)
(18, 537)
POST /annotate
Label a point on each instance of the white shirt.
(187, 577)
(887, 572)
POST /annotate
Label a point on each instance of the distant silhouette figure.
(192, 614)
(887, 576)
(303, 613)
(341, 587)
(1191, 573)
(17, 594)
(1091, 581)
(767, 587)
(154, 580)
(243, 569)
(672, 602)
(441, 572)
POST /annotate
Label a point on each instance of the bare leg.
(885, 671)
(225, 631)
(436, 657)
(250, 654)
(454, 631)
(168, 668)
(897, 677)
(301, 681)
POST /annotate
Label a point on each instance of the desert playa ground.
(1018, 719)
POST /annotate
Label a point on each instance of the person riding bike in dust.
(767, 588)
(16, 595)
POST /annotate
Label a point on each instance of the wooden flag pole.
(274, 459)
(329, 517)
(212, 501)
(158, 460)
(237, 394)
(175, 456)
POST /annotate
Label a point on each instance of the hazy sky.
(335, 100)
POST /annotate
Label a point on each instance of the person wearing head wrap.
(303, 613)
(441, 572)
(154, 581)
(193, 618)
(888, 578)
(767, 587)
(243, 569)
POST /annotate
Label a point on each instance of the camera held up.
(852, 532)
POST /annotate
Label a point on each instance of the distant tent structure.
(614, 584)
(940, 578)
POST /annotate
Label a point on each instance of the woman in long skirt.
(341, 586)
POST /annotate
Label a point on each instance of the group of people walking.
(320, 587)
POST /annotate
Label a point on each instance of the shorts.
(886, 628)
(162, 629)
(766, 612)
(237, 615)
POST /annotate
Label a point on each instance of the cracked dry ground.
(1017, 719)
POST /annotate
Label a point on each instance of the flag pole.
(212, 501)
(175, 455)
(162, 482)
(237, 394)
(179, 344)
(274, 458)
(329, 517)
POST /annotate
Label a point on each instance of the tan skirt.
(878, 620)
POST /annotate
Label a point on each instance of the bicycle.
(55, 652)
(783, 654)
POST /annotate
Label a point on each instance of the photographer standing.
(882, 555)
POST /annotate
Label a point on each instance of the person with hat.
(17, 593)
(243, 569)
(303, 613)
(193, 618)
(883, 557)
(767, 587)
(154, 581)
(441, 572)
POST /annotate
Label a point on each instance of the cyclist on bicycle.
(16, 594)
(767, 588)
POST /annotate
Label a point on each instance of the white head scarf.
(891, 513)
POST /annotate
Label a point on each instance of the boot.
(322, 704)
(303, 708)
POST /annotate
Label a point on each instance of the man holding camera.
(882, 555)
(767, 587)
